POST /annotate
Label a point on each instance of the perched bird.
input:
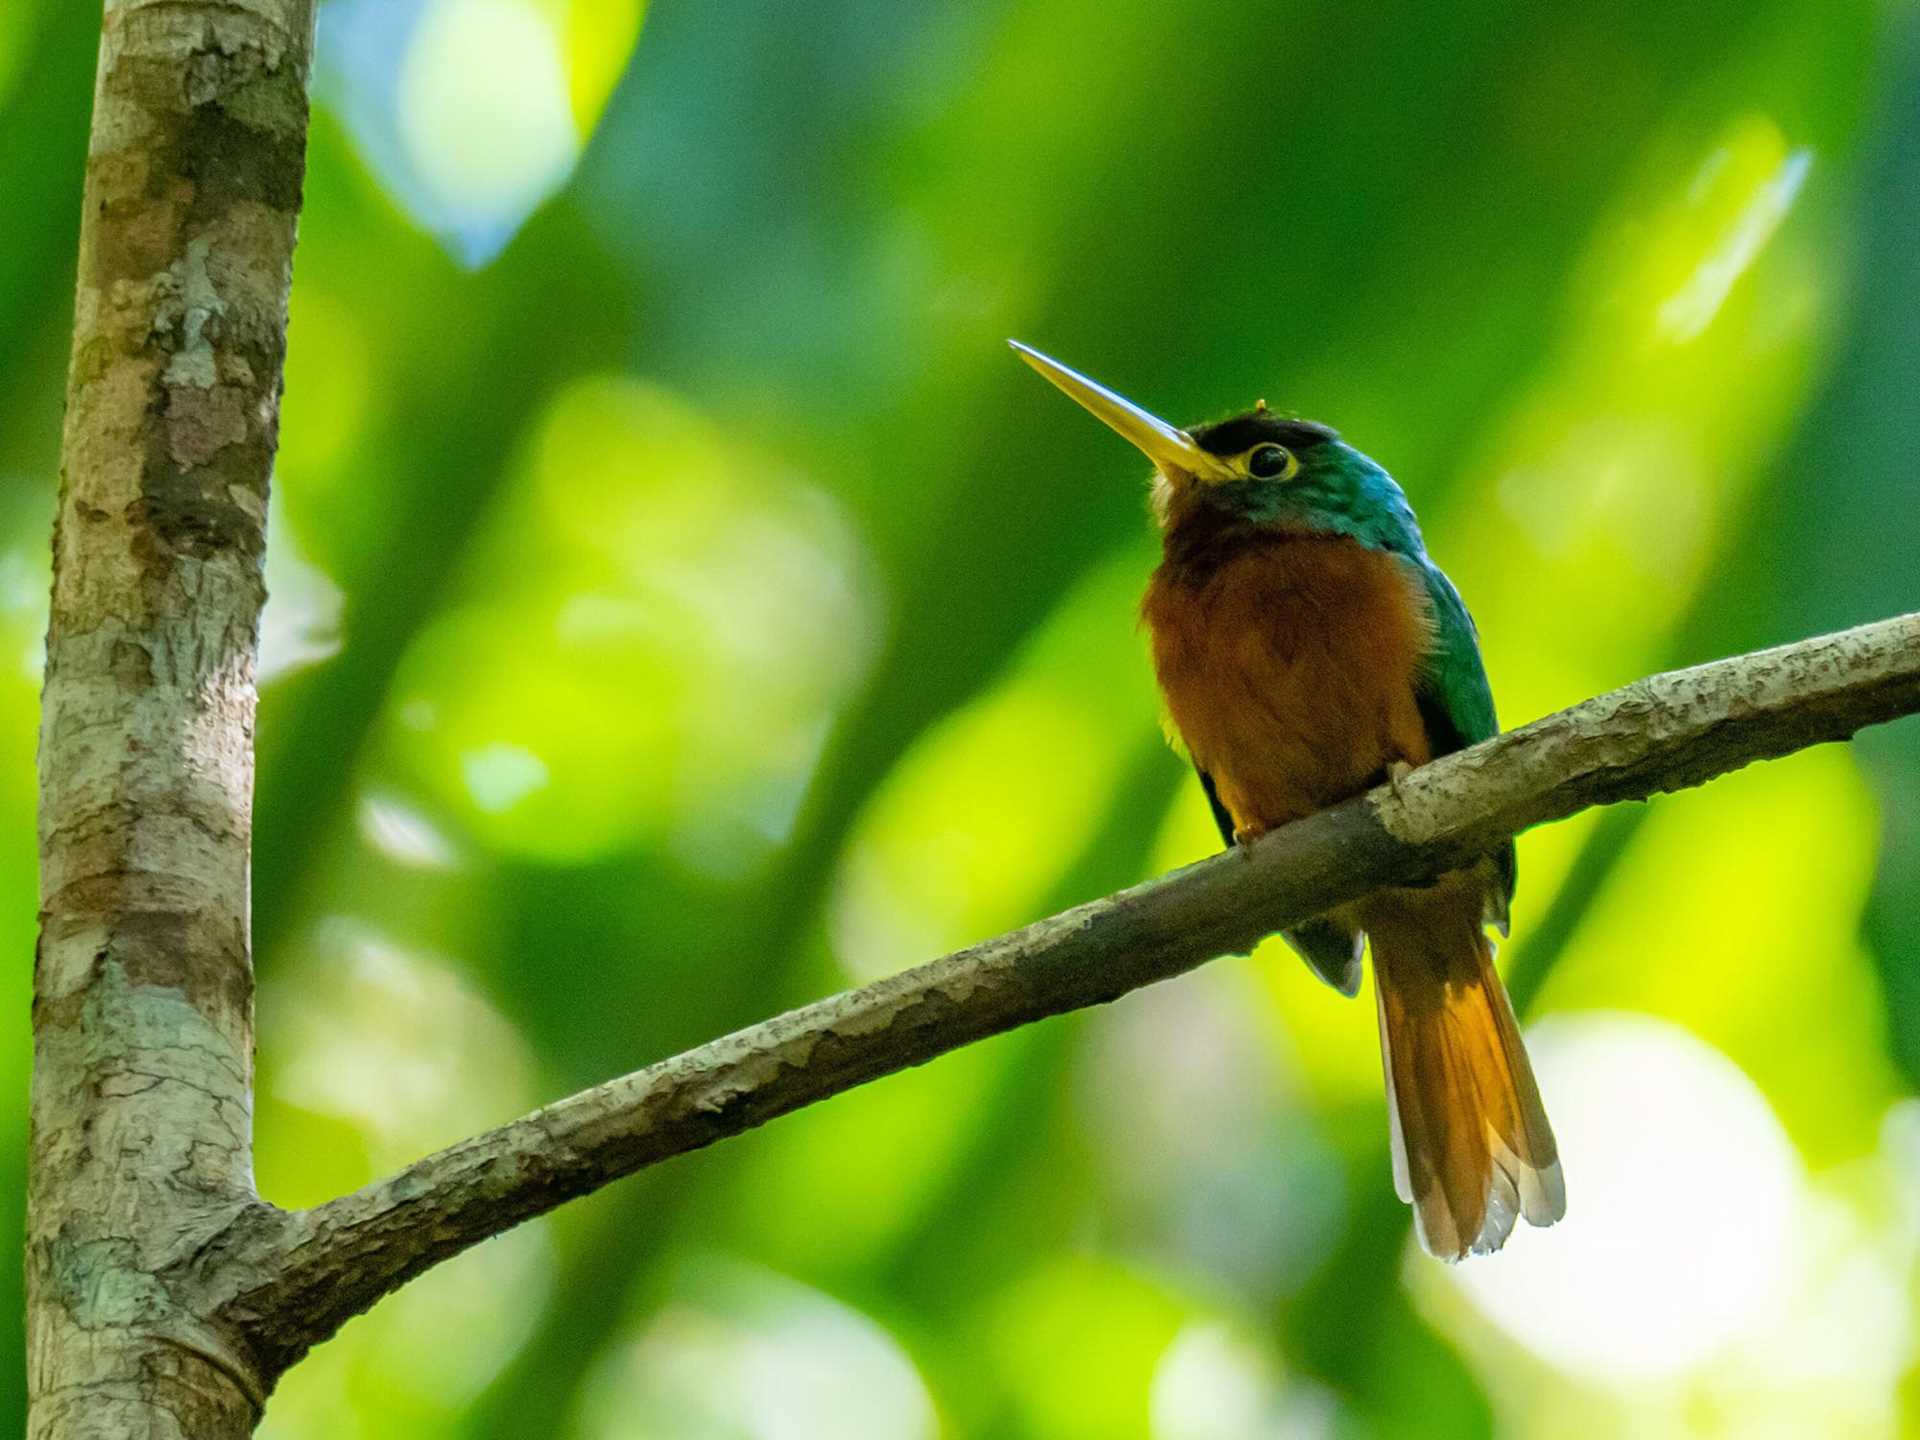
(1307, 650)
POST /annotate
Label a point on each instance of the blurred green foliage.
(683, 606)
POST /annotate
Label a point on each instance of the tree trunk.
(141, 1149)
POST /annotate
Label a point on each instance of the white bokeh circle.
(1684, 1201)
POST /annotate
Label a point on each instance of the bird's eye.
(1267, 462)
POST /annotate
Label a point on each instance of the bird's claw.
(1397, 772)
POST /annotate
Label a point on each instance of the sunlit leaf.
(474, 111)
(690, 618)
(1079, 1339)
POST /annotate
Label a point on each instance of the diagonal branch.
(311, 1271)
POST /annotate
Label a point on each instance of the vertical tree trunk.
(143, 1028)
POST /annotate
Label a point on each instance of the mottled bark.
(298, 1277)
(141, 1151)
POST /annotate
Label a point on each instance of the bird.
(1307, 649)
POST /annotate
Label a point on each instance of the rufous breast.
(1288, 662)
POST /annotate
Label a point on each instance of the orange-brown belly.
(1288, 671)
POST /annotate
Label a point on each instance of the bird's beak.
(1173, 451)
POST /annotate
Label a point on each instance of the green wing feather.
(1455, 699)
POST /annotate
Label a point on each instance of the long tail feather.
(1472, 1147)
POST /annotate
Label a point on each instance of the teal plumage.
(1456, 701)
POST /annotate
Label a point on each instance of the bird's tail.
(1471, 1145)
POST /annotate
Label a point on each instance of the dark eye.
(1267, 462)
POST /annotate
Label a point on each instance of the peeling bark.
(141, 1150)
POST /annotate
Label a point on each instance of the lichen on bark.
(141, 1143)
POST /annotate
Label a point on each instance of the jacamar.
(1307, 650)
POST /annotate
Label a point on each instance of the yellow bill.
(1172, 450)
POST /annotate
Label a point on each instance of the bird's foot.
(1397, 772)
(1245, 835)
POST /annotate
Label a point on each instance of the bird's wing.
(1220, 815)
(1456, 702)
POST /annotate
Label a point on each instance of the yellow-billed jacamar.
(1308, 649)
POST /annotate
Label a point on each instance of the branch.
(318, 1268)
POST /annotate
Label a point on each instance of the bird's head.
(1253, 469)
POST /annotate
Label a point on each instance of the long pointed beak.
(1173, 451)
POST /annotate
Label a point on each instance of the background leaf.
(688, 607)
